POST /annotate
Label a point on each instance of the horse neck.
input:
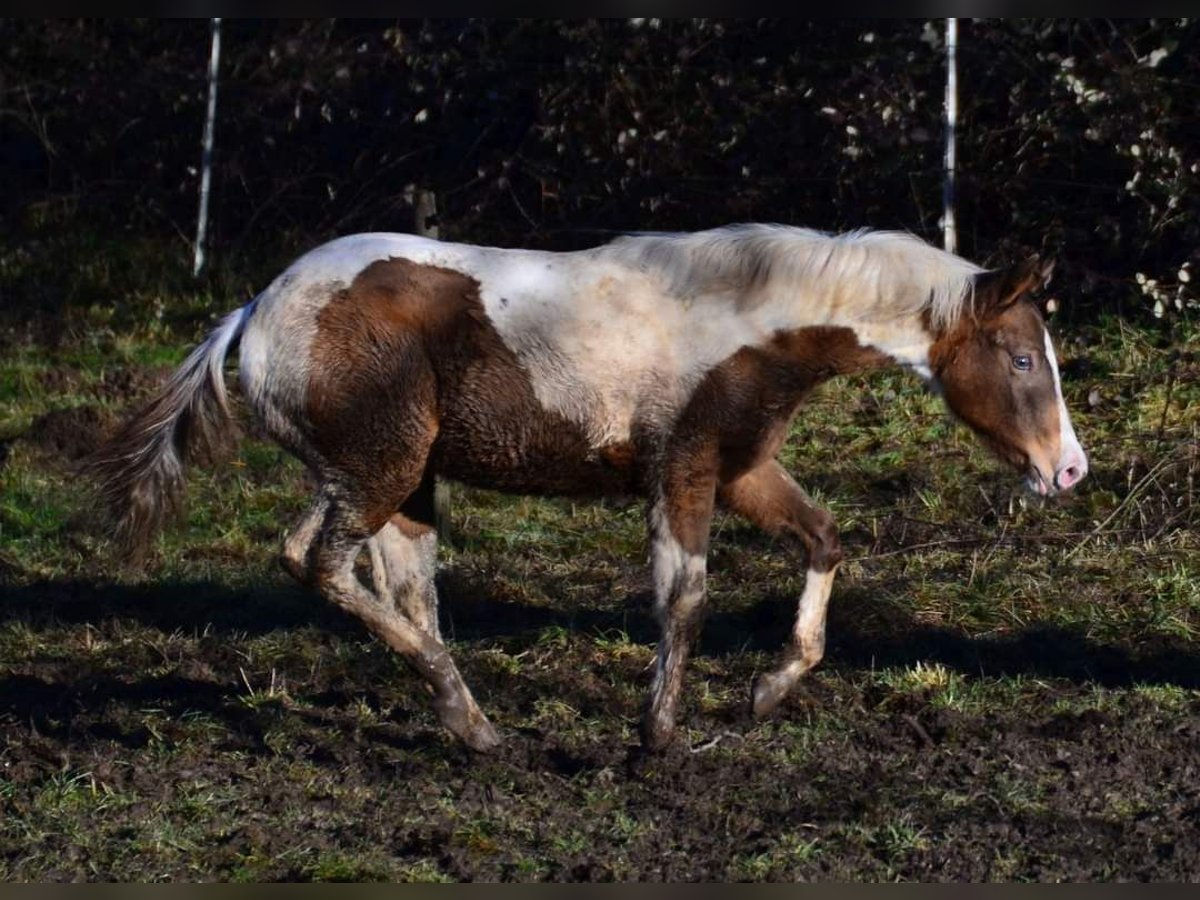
(905, 338)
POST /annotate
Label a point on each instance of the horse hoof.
(482, 738)
(462, 718)
(657, 736)
(474, 731)
(769, 690)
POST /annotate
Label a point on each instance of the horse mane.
(888, 272)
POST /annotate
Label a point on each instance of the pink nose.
(1070, 474)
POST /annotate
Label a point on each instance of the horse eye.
(1024, 363)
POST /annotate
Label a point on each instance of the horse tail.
(140, 469)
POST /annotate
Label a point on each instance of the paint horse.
(663, 365)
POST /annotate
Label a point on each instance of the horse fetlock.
(811, 651)
(427, 623)
(422, 614)
(658, 723)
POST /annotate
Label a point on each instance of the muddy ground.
(992, 705)
(889, 785)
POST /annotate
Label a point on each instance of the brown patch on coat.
(372, 399)
(417, 516)
(410, 378)
(689, 491)
(768, 497)
(739, 416)
(1015, 412)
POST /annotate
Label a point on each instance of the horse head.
(997, 370)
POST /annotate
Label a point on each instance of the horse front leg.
(770, 498)
(679, 520)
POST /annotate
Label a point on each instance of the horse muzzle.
(1071, 469)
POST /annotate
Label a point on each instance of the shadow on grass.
(169, 606)
(860, 634)
(70, 700)
(52, 707)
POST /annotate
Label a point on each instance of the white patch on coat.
(809, 631)
(621, 335)
(402, 573)
(1070, 451)
(679, 576)
(679, 584)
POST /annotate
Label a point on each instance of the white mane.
(883, 271)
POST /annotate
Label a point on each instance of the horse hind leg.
(327, 564)
(679, 532)
(404, 560)
(296, 546)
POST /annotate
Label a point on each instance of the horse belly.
(525, 449)
(495, 432)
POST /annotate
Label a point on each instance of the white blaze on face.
(1072, 463)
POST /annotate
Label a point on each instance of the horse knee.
(824, 545)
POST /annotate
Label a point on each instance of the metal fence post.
(949, 230)
(206, 154)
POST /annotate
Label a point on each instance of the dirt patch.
(120, 386)
(853, 781)
(68, 434)
(117, 385)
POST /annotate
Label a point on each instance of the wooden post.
(424, 204)
(425, 214)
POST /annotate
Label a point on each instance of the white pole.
(210, 121)
(949, 233)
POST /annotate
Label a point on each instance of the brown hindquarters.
(409, 371)
(372, 397)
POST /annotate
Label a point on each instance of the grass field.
(1011, 689)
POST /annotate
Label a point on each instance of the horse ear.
(1041, 295)
(1040, 274)
(1045, 273)
(1031, 277)
(998, 289)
